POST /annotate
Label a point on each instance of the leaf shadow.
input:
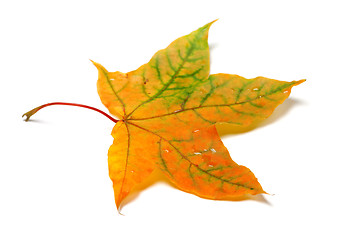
(225, 129)
(213, 46)
(36, 121)
(258, 198)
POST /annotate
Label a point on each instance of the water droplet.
(177, 111)
(197, 153)
(166, 150)
(196, 130)
(210, 165)
(132, 171)
(255, 89)
(286, 91)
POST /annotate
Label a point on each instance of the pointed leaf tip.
(213, 21)
(99, 66)
(202, 32)
(299, 82)
(207, 26)
(94, 63)
(210, 23)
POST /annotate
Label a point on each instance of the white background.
(54, 180)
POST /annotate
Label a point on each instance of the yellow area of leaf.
(131, 158)
(168, 110)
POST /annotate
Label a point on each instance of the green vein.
(123, 87)
(170, 61)
(184, 157)
(244, 113)
(200, 116)
(182, 105)
(208, 94)
(143, 84)
(156, 67)
(191, 174)
(165, 87)
(163, 163)
(191, 74)
(240, 90)
(209, 106)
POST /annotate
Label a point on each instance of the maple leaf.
(168, 109)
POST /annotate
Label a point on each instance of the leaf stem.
(34, 110)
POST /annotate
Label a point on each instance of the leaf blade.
(109, 91)
(248, 100)
(172, 103)
(204, 167)
(170, 70)
(215, 101)
(183, 62)
(129, 161)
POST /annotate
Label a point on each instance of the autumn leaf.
(168, 109)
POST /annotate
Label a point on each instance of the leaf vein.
(188, 160)
(164, 87)
(208, 106)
